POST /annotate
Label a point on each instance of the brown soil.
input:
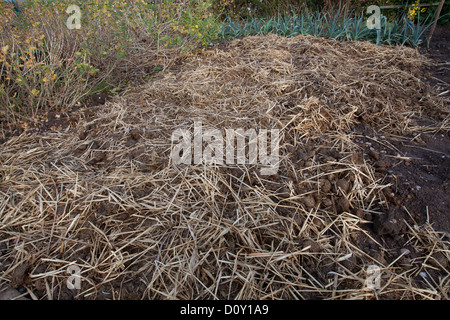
(439, 51)
(430, 170)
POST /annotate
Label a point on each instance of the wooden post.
(435, 22)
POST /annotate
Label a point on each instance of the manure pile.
(103, 195)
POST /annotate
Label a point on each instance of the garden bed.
(362, 181)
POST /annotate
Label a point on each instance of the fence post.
(435, 22)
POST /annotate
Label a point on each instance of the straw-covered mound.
(104, 195)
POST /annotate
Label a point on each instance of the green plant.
(357, 29)
(334, 25)
(341, 24)
(45, 66)
(417, 30)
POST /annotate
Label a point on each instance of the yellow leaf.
(5, 49)
(35, 92)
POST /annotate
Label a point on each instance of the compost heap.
(103, 193)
